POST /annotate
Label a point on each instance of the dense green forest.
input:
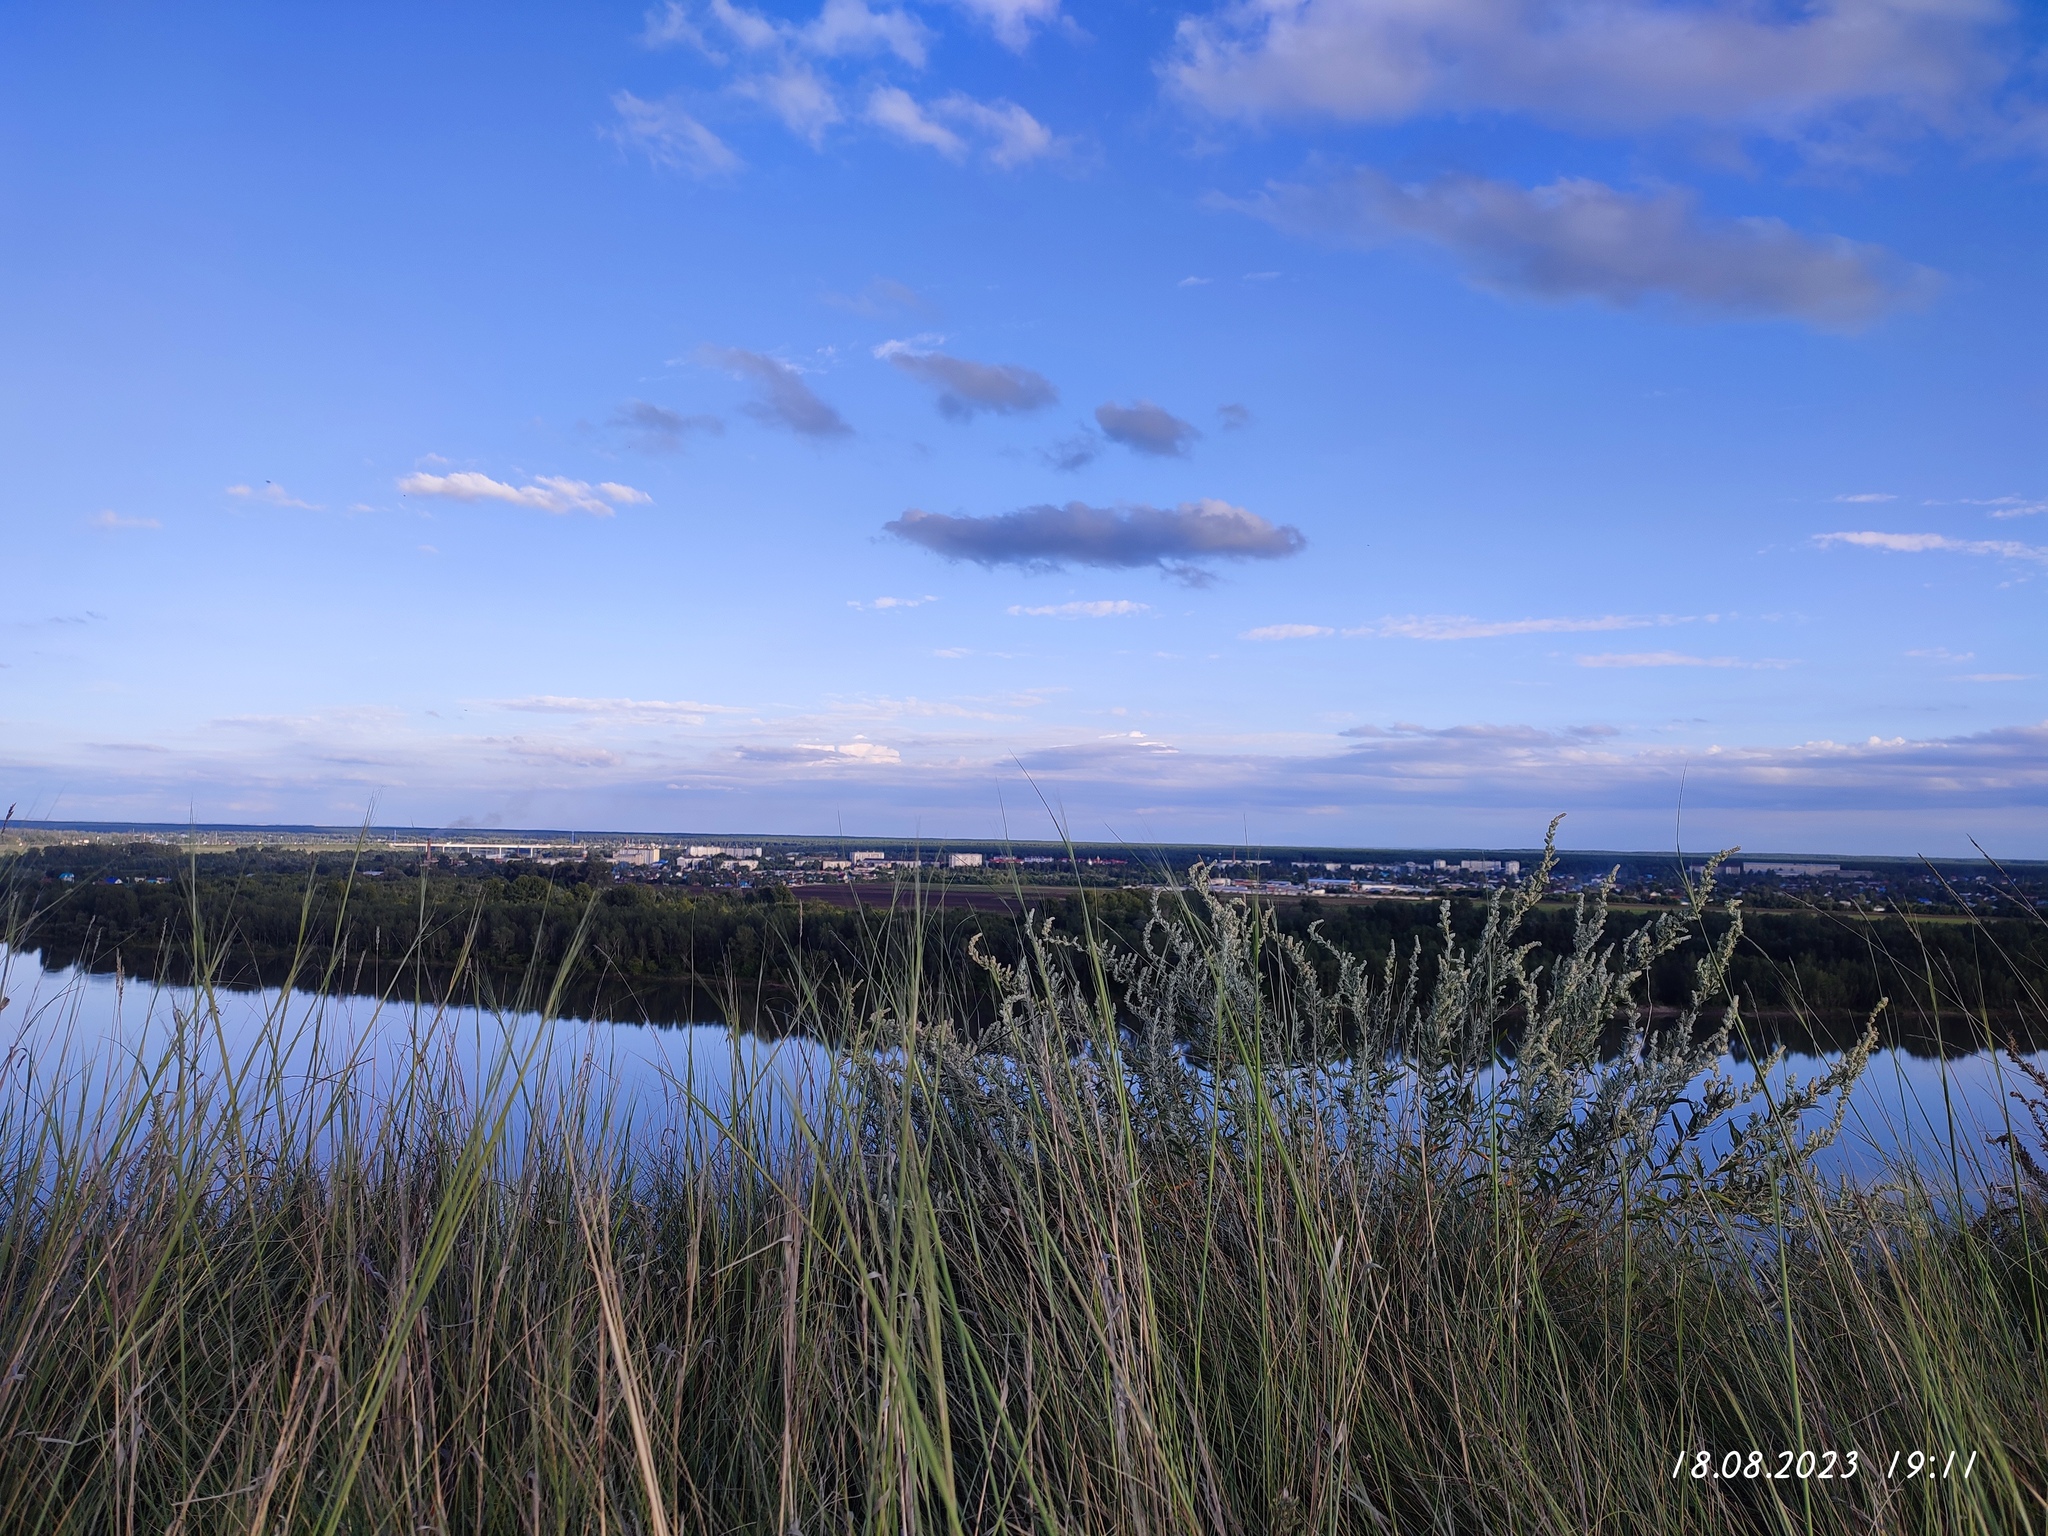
(668, 955)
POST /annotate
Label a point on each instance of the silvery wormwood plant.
(1218, 1015)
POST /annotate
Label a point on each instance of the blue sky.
(1352, 421)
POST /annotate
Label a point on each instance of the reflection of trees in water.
(770, 1004)
(1808, 979)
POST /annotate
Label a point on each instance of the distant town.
(835, 868)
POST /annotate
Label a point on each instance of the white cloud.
(1287, 632)
(894, 110)
(669, 136)
(1861, 496)
(1942, 653)
(671, 26)
(1998, 677)
(1445, 626)
(779, 75)
(1010, 135)
(1577, 238)
(544, 493)
(749, 29)
(114, 520)
(1112, 608)
(885, 603)
(848, 26)
(1924, 543)
(1014, 135)
(924, 341)
(1604, 64)
(854, 752)
(799, 96)
(1677, 659)
(1013, 21)
(841, 28)
(273, 493)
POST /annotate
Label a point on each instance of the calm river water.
(86, 1031)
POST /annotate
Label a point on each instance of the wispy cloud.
(1073, 453)
(2007, 506)
(1998, 677)
(882, 296)
(113, 521)
(1287, 632)
(1445, 626)
(1233, 417)
(670, 25)
(966, 388)
(1577, 238)
(1928, 543)
(1012, 136)
(883, 604)
(844, 27)
(1009, 135)
(1146, 428)
(1111, 608)
(543, 493)
(669, 136)
(841, 28)
(1176, 539)
(626, 711)
(1442, 782)
(1014, 21)
(799, 96)
(1863, 496)
(1678, 659)
(271, 493)
(894, 110)
(655, 429)
(1942, 653)
(785, 400)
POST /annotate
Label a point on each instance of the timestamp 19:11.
(1820, 1466)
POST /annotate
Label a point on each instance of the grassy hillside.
(1324, 1271)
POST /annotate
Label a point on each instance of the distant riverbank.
(670, 955)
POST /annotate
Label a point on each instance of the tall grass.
(1189, 1242)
